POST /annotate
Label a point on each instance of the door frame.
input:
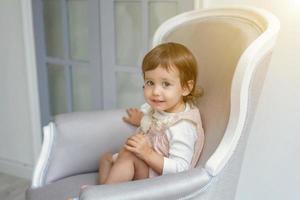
(32, 77)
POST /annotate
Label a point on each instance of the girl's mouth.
(157, 101)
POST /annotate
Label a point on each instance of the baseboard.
(16, 168)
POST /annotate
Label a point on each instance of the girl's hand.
(139, 145)
(134, 116)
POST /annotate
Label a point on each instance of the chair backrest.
(221, 40)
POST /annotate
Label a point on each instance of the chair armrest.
(74, 142)
(170, 186)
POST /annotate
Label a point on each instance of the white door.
(67, 37)
(89, 51)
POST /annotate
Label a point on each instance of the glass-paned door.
(127, 29)
(89, 51)
(70, 73)
(68, 56)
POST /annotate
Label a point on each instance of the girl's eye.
(165, 84)
(149, 83)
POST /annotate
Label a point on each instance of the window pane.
(158, 13)
(78, 25)
(129, 90)
(53, 28)
(128, 29)
(57, 89)
(81, 80)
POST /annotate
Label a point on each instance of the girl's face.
(163, 90)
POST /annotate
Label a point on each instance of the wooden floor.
(12, 188)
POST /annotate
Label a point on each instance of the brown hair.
(168, 55)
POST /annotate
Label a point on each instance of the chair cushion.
(62, 189)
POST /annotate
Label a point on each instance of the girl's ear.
(187, 89)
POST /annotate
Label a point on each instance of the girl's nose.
(156, 90)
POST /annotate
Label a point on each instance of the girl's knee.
(107, 157)
(126, 154)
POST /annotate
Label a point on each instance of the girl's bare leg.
(126, 168)
(141, 169)
(105, 165)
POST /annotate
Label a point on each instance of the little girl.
(170, 135)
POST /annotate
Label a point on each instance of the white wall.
(17, 147)
(271, 166)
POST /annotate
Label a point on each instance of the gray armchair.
(233, 46)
